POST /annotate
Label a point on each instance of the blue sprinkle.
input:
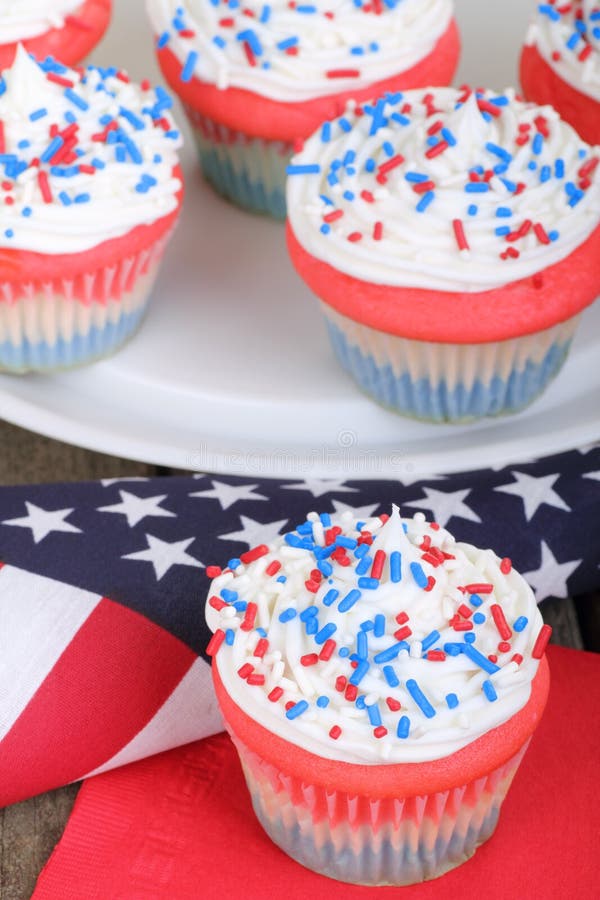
(398, 117)
(489, 690)
(80, 198)
(364, 565)
(190, 65)
(559, 168)
(546, 10)
(348, 195)
(312, 626)
(325, 633)
(265, 14)
(500, 152)
(520, 624)
(368, 584)
(472, 209)
(240, 605)
(453, 649)
(305, 528)
(416, 177)
(344, 124)
(326, 132)
(532, 165)
(430, 640)
(307, 169)
(537, 143)
(347, 542)
(361, 551)
(448, 136)
(553, 235)
(475, 600)
(287, 615)
(52, 148)
(308, 613)
(502, 230)
(349, 600)
(374, 715)
(503, 212)
(470, 637)
(9, 233)
(229, 637)
(325, 517)
(294, 711)
(163, 40)
(64, 198)
(251, 38)
(478, 618)
(282, 579)
(330, 597)
(261, 632)
(325, 568)
(343, 652)
(322, 701)
(218, 41)
(370, 165)
(396, 566)
(360, 702)
(76, 100)
(38, 114)
(379, 628)
(362, 645)
(390, 652)
(425, 200)
(573, 40)
(360, 672)
(418, 574)
(229, 596)
(479, 659)
(26, 211)
(403, 727)
(390, 676)
(477, 187)
(545, 173)
(452, 701)
(420, 699)
(388, 148)
(367, 625)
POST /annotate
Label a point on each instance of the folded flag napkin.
(102, 590)
(180, 825)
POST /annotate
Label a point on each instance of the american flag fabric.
(102, 590)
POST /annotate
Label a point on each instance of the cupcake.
(380, 682)
(452, 237)
(560, 63)
(65, 29)
(90, 191)
(256, 79)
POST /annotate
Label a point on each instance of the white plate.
(232, 371)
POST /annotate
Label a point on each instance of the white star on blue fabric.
(358, 512)
(534, 491)
(445, 504)
(164, 555)
(320, 486)
(135, 508)
(595, 476)
(550, 579)
(254, 533)
(228, 494)
(43, 522)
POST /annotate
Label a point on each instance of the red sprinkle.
(503, 647)
(343, 73)
(377, 231)
(506, 565)
(335, 732)
(459, 234)
(275, 694)
(217, 603)
(436, 655)
(340, 683)
(430, 583)
(351, 692)
(540, 233)
(58, 79)
(500, 621)
(215, 642)
(479, 588)
(354, 237)
(403, 633)
(465, 611)
(262, 645)
(333, 216)
(380, 731)
(541, 642)
(273, 567)
(309, 659)
(255, 553)
(402, 618)
(390, 164)
(437, 149)
(249, 617)
(463, 626)
(378, 564)
(246, 670)
(312, 586)
(327, 649)
(368, 196)
(46, 193)
(393, 704)
(516, 657)
(256, 679)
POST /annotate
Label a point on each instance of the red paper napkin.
(180, 825)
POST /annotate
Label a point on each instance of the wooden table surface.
(29, 830)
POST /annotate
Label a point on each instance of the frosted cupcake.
(381, 683)
(453, 238)
(65, 29)
(560, 63)
(90, 191)
(256, 78)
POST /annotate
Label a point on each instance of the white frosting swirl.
(563, 39)
(530, 208)
(292, 49)
(465, 693)
(94, 189)
(22, 19)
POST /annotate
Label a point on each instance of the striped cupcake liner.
(449, 382)
(357, 839)
(248, 171)
(45, 326)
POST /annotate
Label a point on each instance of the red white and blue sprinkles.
(444, 188)
(382, 634)
(85, 155)
(317, 47)
(568, 36)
